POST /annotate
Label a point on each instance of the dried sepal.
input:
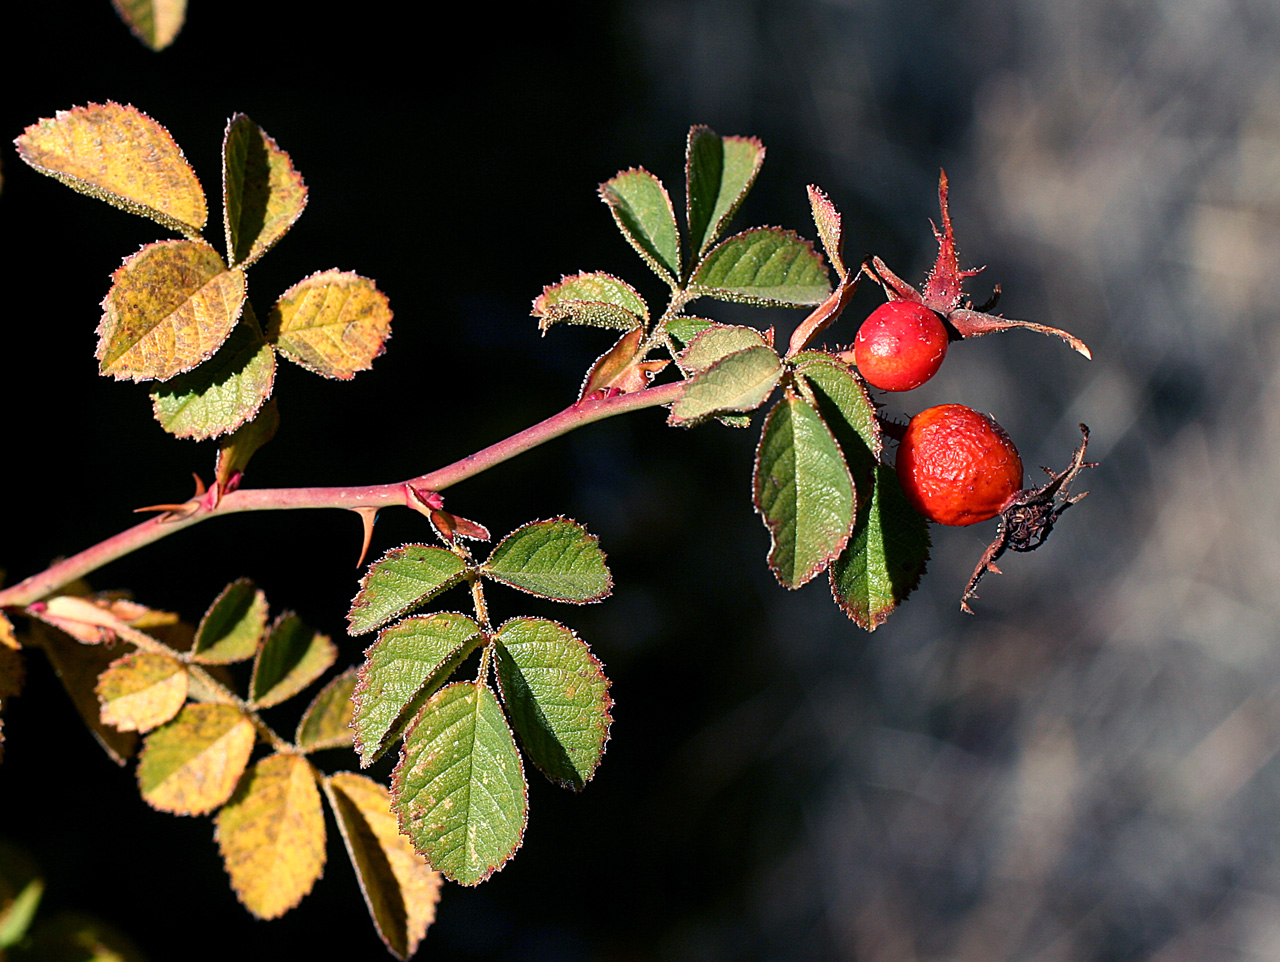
(1028, 517)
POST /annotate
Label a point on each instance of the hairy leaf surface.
(292, 657)
(403, 668)
(557, 697)
(399, 581)
(222, 393)
(191, 765)
(118, 154)
(271, 835)
(333, 323)
(642, 209)
(399, 887)
(171, 305)
(886, 556)
(719, 171)
(803, 492)
(766, 266)
(595, 298)
(719, 340)
(459, 789)
(327, 721)
(554, 559)
(142, 690)
(233, 626)
(847, 409)
(741, 381)
(262, 193)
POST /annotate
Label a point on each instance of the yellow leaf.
(171, 305)
(192, 764)
(334, 323)
(327, 721)
(118, 154)
(142, 690)
(155, 22)
(262, 192)
(271, 836)
(399, 886)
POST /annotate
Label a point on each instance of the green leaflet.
(233, 625)
(403, 668)
(717, 341)
(597, 299)
(399, 581)
(803, 491)
(557, 696)
(719, 172)
(847, 409)
(742, 381)
(459, 789)
(554, 559)
(292, 657)
(327, 721)
(886, 556)
(642, 209)
(766, 266)
(225, 391)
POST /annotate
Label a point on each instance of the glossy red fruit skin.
(957, 466)
(900, 345)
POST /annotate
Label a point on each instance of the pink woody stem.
(369, 496)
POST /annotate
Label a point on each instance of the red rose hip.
(957, 466)
(900, 346)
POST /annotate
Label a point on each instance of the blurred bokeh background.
(1083, 772)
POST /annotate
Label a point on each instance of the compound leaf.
(403, 668)
(399, 887)
(765, 266)
(741, 381)
(142, 690)
(557, 697)
(886, 556)
(224, 392)
(803, 492)
(595, 298)
(191, 765)
(554, 559)
(292, 657)
(262, 193)
(171, 305)
(459, 789)
(333, 323)
(399, 581)
(271, 835)
(327, 721)
(719, 171)
(642, 209)
(118, 154)
(233, 626)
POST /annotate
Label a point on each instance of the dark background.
(1084, 771)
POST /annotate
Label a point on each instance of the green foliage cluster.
(464, 702)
